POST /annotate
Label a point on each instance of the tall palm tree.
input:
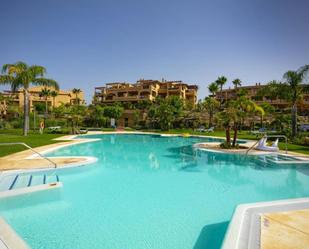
(221, 82)
(291, 90)
(54, 94)
(76, 91)
(234, 112)
(236, 83)
(211, 105)
(213, 88)
(20, 75)
(45, 93)
(293, 80)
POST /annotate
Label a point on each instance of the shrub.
(302, 139)
(226, 145)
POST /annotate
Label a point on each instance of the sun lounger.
(201, 129)
(211, 129)
(262, 145)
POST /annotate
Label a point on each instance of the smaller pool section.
(149, 192)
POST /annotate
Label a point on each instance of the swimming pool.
(150, 192)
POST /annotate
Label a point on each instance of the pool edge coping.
(248, 213)
(9, 237)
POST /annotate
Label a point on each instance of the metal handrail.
(33, 150)
(267, 136)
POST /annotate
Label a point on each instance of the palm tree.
(45, 93)
(244, 107)
(54, 94)
(221, 82)
(268, 109)
(213, 88)
(76, 91)
(294, 80)
(3, 106)
(271, 91)
(291, 90)
(236, 83)
(211, 105)
(226, 117)
(20, 75)
(234, 112)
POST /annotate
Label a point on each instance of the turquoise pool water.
(149, 192)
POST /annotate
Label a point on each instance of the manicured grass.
(107, 129)
(33, 140)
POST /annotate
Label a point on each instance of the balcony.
(174, 88)
(190, 92)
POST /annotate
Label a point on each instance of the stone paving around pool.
(285, 230)
(29, 160)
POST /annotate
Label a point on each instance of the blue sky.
(87, 43)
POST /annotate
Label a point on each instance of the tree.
(76, 91)
(113, 111)
(166, 111)
(232, 115)
(3, 105)
(271, 91)
(226, 117)
(95, 115)
(213, 88)
(177, 105)
(221, 82)
(76, 113)
(45, 93)
(291, 90)
(293, 80)
(268, 109)
(244, 107)
(54, 94)
(20, 75)
(164, 114)
(210, 104)
(236, 83)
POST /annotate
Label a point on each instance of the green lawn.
(33, 140)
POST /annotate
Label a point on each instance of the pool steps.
(280, 159)
(17, 181)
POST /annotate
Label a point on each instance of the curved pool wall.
(152, 192)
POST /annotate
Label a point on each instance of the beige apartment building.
(144, 90)
(231, 93)
(17, 98)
